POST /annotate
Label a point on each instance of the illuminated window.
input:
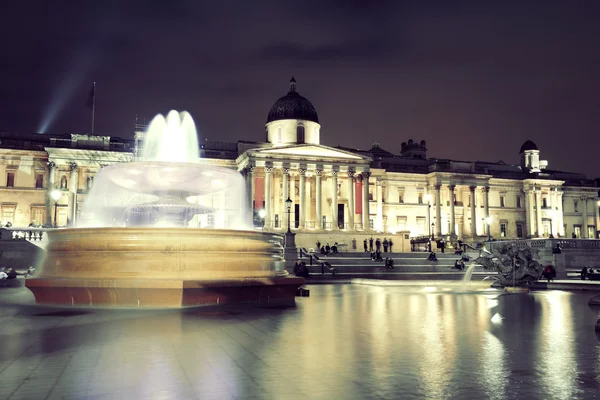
(502, 230)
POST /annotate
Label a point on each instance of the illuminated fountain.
(165, 231)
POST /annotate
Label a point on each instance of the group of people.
(586, 272)
(300, 269)
(386, 243)
(327, 249)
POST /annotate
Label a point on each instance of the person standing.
(371, 244)
(378, 245)
(318, 245)
(365, 243)
(390, 243)
(385, 245)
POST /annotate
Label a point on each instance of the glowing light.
(56, 194)
(262, 213)
(496, 319)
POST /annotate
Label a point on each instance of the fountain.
(166, 231)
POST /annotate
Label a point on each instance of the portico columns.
(351, 199)
(530, 215)
(334, 196)
(319, 195)
(452, 214)
(584, 223)
(486, 208)
(268, 208)
(302, 171)
(250, 186)
(72, 194)
(49, 189)
(538, 212)
(438, 210)
(597, 222)
(473, 217)
(285, 170)
(379, 220)
(561, 225)
(365, 216)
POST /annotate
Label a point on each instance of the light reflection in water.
(555, 350)
(493, 366)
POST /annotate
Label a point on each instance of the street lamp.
(288, 204)
(429, 223)
(56, 195)
(488, 221)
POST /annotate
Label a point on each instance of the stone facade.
(339, 190)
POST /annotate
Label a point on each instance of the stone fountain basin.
(162, 267)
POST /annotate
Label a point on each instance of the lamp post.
(429, 223)
(288, 204)
(56, 195)
(488, 221)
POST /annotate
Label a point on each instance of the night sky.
(475, 79)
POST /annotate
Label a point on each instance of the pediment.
(310, 151)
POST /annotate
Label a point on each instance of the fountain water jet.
(164, 231)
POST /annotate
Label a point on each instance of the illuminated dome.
(293, 106)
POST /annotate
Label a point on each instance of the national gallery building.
(339, 191)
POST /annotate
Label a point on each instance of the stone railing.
(564, 244)
(31, 234)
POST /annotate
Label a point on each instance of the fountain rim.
(152, 229)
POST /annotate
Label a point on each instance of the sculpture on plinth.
(515, 266)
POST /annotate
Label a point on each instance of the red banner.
(358, 198)
(259, 192)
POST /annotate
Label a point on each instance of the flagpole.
(93, 106)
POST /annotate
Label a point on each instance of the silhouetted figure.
(432, 257)
(323, 251)
(549, 273)
(334, 248)
(557, 249)
(365, 243)
(389, 263)
(327, 248)
(459, 264)
(300, 269)
(385, 245)
(584, 272)
(390, 243)
(11, 274)
(574, 236)
(442, 244)
(378, 256)
(318, 244)
(378, 245)
(371, 244)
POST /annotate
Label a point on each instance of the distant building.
(335, 189)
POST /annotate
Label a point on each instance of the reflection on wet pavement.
(343, 342)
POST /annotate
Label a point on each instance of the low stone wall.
(574, 253)
(351, 241)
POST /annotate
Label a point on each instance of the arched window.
(63, 182)
(300, 133)
(279, 134)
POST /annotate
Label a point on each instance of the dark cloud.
(473, 78)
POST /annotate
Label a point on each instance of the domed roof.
(528, 145)
(293, 106)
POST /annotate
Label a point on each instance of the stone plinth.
(166, 267)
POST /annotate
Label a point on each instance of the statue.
(515, 266)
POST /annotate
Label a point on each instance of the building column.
(74, 183)
(438, 211)
(486, 208)
(530, 212)
(473, 216)
(268, 208)
(319, 197)
(302, 202)
(538, 212)
(584, 222)
(379, 218)
(285, 171)
(597, 220)
(452, 211)
(334, 196)
(365, 215)
(351, 199)
(559, 214)
(250, 187)
(465, 200)
(49, 188)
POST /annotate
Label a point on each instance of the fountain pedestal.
(162, 268)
